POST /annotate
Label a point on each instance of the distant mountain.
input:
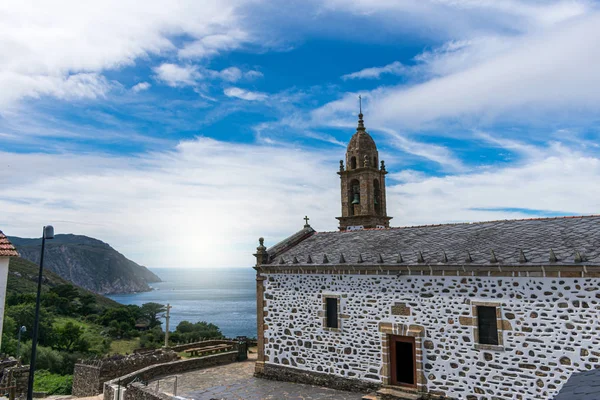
(89, 263)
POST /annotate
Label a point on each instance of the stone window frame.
(323, 312)
(499, 325)
(388, 329)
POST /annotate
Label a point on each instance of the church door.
(403, 362)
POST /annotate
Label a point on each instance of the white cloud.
(213, 44)
(82, 85)
(231, 74)
(177, 75)
(200, 205)
(252, 74)
(540, 184)
(140, 87)
(551, 72)
(395, 68)
(245, 94)
(47, 48)
(204, 204)
(461, 18)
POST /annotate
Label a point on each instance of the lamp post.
(22, 330)
(48, 233)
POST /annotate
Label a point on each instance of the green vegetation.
(23, 276)
(124, 346)
(77, 324)
(187, 332)
(53, 384)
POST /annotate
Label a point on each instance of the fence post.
(175, 388)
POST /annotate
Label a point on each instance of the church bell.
(356, 199)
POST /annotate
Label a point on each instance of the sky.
(180, 132)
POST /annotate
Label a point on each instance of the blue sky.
(181, 134)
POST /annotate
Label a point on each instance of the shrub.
(53, 384)
(46, 358)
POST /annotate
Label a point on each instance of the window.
(377, 192)
(331, 312)
(353, 163)
(487, 325)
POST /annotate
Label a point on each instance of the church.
(504, 309)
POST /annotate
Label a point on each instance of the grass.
(124, 346)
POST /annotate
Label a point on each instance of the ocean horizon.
(225, 297)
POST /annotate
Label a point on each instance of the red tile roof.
(6, 247)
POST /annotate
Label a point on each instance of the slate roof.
(573, 240)
(581, 386)
(6, 247)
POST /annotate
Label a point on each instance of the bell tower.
(363, 184)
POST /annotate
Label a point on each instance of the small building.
(491, 310)
(7, 250)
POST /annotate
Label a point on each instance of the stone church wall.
(550, 329)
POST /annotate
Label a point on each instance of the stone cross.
(306, 225)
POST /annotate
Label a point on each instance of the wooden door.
(403, 361)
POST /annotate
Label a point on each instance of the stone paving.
(235, 382)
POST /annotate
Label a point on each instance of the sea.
(225, 297)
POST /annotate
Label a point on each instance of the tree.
(150, 311)
(69, 337)
(188, 332)
(185, 327)
(87, 304)
(9, 335)
(66, 291)
(128, 314)
(24, 315)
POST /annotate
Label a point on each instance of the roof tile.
(510, 241)
(6, 247)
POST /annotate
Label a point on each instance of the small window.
(487, 324)
(353, 163)
(332, 312)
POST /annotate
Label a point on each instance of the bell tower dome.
(363, 184)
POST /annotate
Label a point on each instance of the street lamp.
(22, 330)
(48, 233)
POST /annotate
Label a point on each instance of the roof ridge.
(471, 223)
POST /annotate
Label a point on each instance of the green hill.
(88, 263)
(23, 276)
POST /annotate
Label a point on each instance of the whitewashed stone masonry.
(551, 329)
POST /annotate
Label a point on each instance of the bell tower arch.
(362, 184)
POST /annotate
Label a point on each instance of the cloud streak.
(395, 68)
(244, 94)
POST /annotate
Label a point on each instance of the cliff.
(89, 263)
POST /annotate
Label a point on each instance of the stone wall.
(548, 330)
(15, 375)
(281, 373)
(204, 343)
(141, 392)
(89, 376)
(86, 380)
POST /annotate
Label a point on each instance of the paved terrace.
(236, 382)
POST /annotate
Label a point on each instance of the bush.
(152, 339)
(46, 358)
(187, 332)
(53, 384)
